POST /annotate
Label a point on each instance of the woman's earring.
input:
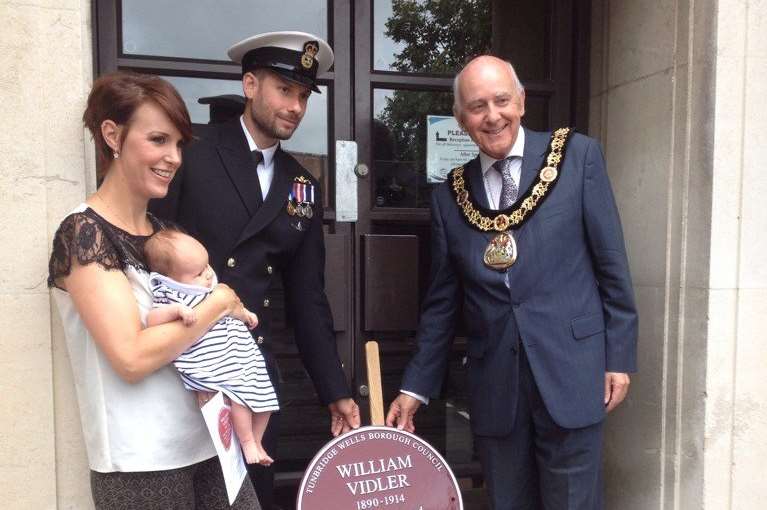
(116, 155)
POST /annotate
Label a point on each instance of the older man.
(259, 214)
(527, 241)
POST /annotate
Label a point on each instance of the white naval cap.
(298, 56)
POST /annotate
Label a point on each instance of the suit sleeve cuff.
(421, 398)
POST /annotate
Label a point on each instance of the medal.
(308, 211)
(548, 174)
(300, 211)
(501, 253)
(291, 208)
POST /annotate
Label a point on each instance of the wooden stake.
(374, 383)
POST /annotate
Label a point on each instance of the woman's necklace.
(126, 224)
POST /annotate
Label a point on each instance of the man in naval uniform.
(528, 243)
(259, 214)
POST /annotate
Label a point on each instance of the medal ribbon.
(302, 193)
(310, 193)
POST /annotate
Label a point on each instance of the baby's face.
(191, 265)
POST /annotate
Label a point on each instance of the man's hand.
(616, 388)
(344, 416)
(402, 410)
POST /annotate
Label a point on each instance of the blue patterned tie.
(509, 190)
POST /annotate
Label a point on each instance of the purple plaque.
(375, 468)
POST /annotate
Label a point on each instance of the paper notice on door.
(218, 418)
(447, 147)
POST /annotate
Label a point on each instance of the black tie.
(257, 158)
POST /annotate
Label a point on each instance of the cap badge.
(311, 48)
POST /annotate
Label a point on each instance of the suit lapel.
(275, 200)
(536, 144)
(476, 182)
(535, 147)
(235, 156)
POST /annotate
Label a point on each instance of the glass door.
(394, 65)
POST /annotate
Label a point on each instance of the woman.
(147, 443)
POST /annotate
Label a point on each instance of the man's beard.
(268, 126)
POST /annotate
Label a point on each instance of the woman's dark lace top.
(86, 238)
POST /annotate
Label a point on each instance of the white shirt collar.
(267, 153)
(518, 149)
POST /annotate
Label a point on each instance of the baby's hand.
(251, 319)
(187, 315)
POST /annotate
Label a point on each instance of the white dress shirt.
(493, 179)
(266, 166)
(493, 185)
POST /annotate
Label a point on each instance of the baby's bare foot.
(266, 460)
(251, 452)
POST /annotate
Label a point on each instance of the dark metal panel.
(341, 122)
(562, 64)
(582, 58)
(410, 81)
(194, 68)
(338, 278)
(391, 282)
(400, 215)
(105, 35)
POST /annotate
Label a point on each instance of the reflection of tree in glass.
(438, 37)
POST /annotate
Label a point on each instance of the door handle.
(361, 170)
(346, 180)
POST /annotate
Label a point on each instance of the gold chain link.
(501, 222)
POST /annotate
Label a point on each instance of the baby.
(226, 358)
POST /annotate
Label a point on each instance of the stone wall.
(45, 71)
(676, 101)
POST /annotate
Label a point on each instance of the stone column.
(45, 71)
(676, 101)
(735, 441)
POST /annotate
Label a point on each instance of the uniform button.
(231, 262)
(269, 269)
(266, 303)
(260, 340)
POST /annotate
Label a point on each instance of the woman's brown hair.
(116, 97)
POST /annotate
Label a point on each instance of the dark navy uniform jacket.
(569, 301)
(214, 196)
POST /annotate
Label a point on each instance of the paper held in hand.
(219, 421)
